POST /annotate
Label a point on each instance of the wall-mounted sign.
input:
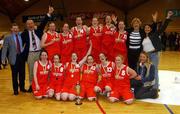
(38, 18)
(89, 15)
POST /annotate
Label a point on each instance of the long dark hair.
(42, 52)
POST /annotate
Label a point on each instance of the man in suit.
(14, 46)
(31, 41)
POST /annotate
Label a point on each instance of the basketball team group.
(106, 59)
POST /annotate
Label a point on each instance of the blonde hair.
(136, 20)
(147, 64)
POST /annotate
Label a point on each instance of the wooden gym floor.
(25, 103)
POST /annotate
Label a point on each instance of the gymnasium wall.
(143, 12)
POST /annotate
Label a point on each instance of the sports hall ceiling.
(12, 8)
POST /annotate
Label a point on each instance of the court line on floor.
(100, 107)
(169, 110)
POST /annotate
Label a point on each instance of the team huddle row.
(109, 78)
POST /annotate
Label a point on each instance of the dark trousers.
(18, 73)
(133, 57)
(142, 92)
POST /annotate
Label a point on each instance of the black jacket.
(154, 35)
(38, 32)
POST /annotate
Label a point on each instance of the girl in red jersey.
(108, 38)
(121, 82)
(89, 79)
(66, 44)
(106, 71)
(120, 42)
(73, 76)
(41, 71)
(95, 35)
(56, 78)
(50, 41)
(80, 38)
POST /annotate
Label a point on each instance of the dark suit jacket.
(38, 32)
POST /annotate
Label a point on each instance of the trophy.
(78, 90)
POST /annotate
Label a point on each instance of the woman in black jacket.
(152, 43)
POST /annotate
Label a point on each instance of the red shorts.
(102, 85)
(70, 89)
(41, 92)
(87, 90)
(125, 93)
(56, 85)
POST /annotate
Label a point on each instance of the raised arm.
(85, 57)
(165, 24)
(45, 20)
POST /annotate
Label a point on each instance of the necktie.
(33, 41)
(17, 44)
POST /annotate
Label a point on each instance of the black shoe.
(16, 92)
(30, 89)
(23, 90)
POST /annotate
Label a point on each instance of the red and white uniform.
(42, 78)
(107, 41)
(56, 78)
(72, 78)
(53, 48)
(80, 42)
(95, 36)
(66, 48)
(88, 81)
(120, 47)
(107, 73)
(121, 84)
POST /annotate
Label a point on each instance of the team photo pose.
(121, 83)
(119, 45)
(80, 38)
(73, 75)
(66, 44)
(40, 79)
(106, 69)
(95, 35)
(89, 79)
(56, 79)
(50, 41)
(108, 37)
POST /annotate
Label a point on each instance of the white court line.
(169, 89)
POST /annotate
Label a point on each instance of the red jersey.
(72, 74)
(95, 36)
(79, 42)
(121, 77)
(42, 73)
(53, 48)
(57, 73)
(66, 48)
(107, 71)
(89, 74)
(108, 35)
(120, 46)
